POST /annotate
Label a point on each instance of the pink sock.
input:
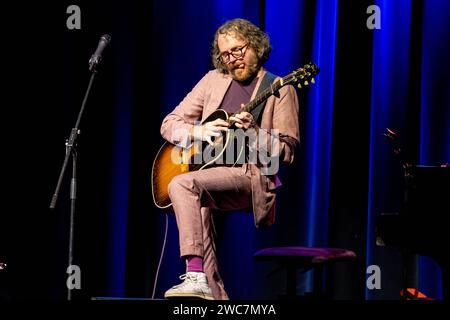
(194, 264)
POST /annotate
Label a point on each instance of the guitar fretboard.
(303, 75)
(263, 96)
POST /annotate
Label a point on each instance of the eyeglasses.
(236, 53)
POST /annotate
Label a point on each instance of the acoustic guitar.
(172, 160)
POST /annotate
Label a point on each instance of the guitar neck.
(301, 76)
(263, 96)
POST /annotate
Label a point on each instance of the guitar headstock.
(302, 76)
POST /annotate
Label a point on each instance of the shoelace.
(186, 278)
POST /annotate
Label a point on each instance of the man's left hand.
(243, 120)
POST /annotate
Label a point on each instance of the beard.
(244, 71)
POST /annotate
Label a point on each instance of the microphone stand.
(71, 151)
(409, 260)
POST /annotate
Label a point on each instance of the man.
(239, 51)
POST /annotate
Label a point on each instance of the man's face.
(241, 68)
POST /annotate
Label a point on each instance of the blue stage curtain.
(389, 102)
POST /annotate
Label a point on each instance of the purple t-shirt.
(238, 93)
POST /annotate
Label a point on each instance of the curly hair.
(244, 29)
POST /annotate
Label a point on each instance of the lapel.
(261, 74)
(219, 87)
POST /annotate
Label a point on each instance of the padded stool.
(303, 259)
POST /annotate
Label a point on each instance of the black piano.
(420, 227)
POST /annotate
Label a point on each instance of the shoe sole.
(188, 295)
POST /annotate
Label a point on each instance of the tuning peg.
(299, 85)
(305, 83)
(313, 81)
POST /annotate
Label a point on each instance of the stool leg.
(291, 281)
(318, 280)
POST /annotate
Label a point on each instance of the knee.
(179, 185)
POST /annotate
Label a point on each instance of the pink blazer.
(281, 112)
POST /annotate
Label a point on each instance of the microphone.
(97, 56)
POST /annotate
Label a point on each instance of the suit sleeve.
(286, 120)
(283, 140)
(177, 124)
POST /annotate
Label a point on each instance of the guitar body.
(172, 160)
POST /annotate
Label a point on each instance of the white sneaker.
(195, 284)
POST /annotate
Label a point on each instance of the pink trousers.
(193, 196)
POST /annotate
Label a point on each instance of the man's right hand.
(209, 129)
